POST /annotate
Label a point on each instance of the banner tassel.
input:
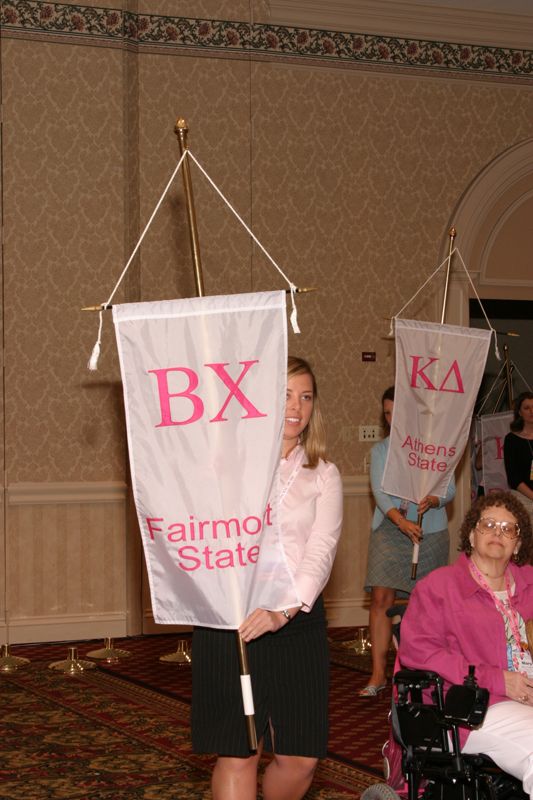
(294, 312)
(92, 364)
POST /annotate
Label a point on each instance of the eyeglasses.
(509, 529)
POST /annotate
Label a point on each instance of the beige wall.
(349, 174)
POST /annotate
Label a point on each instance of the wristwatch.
(286, 615)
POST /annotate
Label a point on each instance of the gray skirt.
(390, 554)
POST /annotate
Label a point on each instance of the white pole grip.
(247, 696)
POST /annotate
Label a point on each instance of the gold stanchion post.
(9, 663)
(109, 653)
(72, 665)
(181, 656)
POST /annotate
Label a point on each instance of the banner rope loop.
(292, 287)
(93, 360)
(455, 250)
(493, 331)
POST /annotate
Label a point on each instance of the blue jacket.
(435, 519)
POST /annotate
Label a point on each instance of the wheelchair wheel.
(380, 791)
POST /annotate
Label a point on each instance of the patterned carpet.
(121, 731)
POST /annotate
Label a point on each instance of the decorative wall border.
(114, 27)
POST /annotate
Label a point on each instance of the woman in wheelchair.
(474, 612)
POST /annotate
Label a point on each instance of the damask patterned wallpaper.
(345, 153)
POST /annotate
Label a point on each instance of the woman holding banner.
(395, 529)
(518, 451)
(287, 650)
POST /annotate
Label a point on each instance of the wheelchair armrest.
(418, 678)
(466, 706)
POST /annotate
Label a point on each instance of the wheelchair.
(425, 725)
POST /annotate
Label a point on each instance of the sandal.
(371, 690)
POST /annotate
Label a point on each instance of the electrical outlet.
(369, 433)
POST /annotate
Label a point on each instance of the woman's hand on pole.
(262, 621)
(411, 530)
(518, 687)
(430, 501)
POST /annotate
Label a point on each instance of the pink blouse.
(311, 522)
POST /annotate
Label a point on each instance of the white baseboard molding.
(347, 613)
(55, 493)
(69, 628)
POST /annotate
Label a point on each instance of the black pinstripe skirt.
(290, 679)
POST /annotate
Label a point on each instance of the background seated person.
(474, 612)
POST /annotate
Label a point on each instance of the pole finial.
(181, 130)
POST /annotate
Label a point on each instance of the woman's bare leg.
(288, 777)
(235, 778)
(382, 598)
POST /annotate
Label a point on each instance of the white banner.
(204, 389)
(494, 429)
(438, 374)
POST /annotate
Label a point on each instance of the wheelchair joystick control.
(466, 704)
(470, 679)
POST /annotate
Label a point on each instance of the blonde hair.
(313, 438)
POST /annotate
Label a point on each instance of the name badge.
(525, 663)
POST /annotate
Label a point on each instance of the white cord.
(496, 351)
(517, 370)
(418, 292)
(455, 250)
(93, 361)
(485, 399)
(294, 313)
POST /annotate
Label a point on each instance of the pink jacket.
(451, 622)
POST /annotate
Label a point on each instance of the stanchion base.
(72, 665)
(109, 653)
(361, 645)
(358, 648)
(9, 663)
(181, 656)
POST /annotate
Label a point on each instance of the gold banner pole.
(182, 655)
(247, 692)
(416, 550)
(508, 376)
(298, 290)
(452, 234)
(181, 130)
